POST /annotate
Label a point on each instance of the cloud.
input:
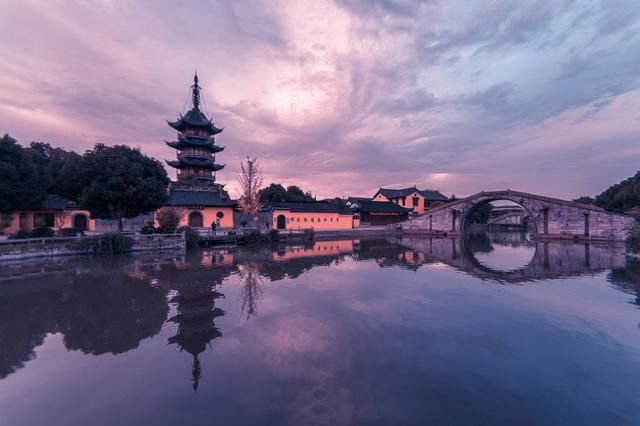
(341, 97)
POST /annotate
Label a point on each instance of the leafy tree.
(273, 193)
(277, 193)
(57, 169)
(481, 214)
(621, 197)
(294, 193)
(585, 199)
(169, 218)
(119, 182)
(20, 187)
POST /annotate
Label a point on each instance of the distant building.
(376, 213)
(418, 200)
(317, 215)
(54, 212)
(204, 201)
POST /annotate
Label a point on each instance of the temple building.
(418, 200)
(204, 201)
(196, 143)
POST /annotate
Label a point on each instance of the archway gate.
(553, 217)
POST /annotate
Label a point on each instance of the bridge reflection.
(109, 305)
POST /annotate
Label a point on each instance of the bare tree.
(252, 288)
(61, 218)
(250, 180)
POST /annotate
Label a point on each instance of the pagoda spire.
(195, 96)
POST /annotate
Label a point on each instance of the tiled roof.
(198, 198)
(429, 194)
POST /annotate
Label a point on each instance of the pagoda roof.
(195, 161)
(194, 118)
(194, 141)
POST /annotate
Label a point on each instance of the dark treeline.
(623, 197)
(111, 182)
(278, 193)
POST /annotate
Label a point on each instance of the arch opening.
(499, 214)
(80, 222)
(196, 220)
(281, 222)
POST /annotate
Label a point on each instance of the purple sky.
(342, 96)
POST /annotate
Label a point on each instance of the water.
(492, 330)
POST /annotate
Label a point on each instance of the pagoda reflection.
(197, 312)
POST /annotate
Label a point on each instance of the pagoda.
(195, 144)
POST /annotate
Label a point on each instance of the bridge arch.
(468, 213)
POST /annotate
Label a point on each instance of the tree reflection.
(251, 288)
(97, 312)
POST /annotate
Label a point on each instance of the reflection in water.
(196, 322)
(109, 305)
(501, 251)
(251, 288)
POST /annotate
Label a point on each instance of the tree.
(294, 193)
(119, 182)
(621, 197)
(273, 193)
(250, 180)
(169, 218)
(61, 218)
(277, 193)
(20, 187)
(585, 199)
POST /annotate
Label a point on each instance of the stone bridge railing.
(552, 217)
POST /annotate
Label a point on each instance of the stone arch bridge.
(551, 217)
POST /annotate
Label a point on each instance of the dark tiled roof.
(307, 206)
(365, 205)
(195, 118)
(429, 194)
(198, 198)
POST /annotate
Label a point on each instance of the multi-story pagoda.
(196, 144)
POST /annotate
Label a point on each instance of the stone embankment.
(45, 247)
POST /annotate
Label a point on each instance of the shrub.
(21, 235)
(192, 237)
(42, 232)
(147, 230)
(255, 237)
(110, 243)
(169, 218)
(71, 232)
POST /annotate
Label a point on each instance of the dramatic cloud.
(342, 97)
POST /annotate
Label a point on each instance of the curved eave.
(181, 124)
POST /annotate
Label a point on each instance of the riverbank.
(11, 250)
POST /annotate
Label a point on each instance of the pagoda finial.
(195, 96)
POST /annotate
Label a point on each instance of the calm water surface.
(491, 330)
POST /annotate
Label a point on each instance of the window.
(415, 200)
(311, 219)
(298, 220)
(305, 219)
(325, 219)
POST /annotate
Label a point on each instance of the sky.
(341, 97)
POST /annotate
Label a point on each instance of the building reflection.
(197, 311)
(110, 304)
